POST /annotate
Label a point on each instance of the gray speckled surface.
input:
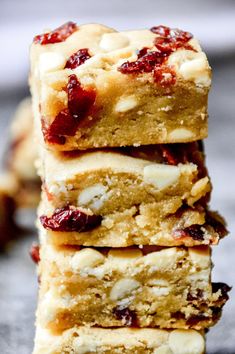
(18, 283)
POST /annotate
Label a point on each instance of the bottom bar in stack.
(149, 287)
(81, 340)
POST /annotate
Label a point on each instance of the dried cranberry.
(216, 313)
(195, 319)
(63, 124)
(224, 289)
(164, 75)
(142, 52)
(168, 155)
(194, 231)
(77, 58)
(144, 64)
(80, 102)
(173, 34)
(167, 41)
(178, 315)
(126, 315)
(60, 34)
(70, 219)
(34, 253)
(163, 31)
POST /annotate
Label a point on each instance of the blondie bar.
(79, 340)
(134, 287)
(148, 195)
(95, 87)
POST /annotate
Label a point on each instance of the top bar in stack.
(95, 87)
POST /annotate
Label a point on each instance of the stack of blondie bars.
(125, 229)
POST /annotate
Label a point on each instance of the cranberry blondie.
(136, 287)
(95, 87)
(79, 340)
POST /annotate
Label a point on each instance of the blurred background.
(211, 21)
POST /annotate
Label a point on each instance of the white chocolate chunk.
(93, 196)
(126, 104)
(128, 255)
(49, 305)
(123, 288)
(164, 259)
(113, 41)
(195, 70)
(200, 255)
(160, 291)
(186, 342)
(164, 349)
(180, 134)
(200, 186)
(191, 66)
(161, 176)
(87, 257)
(51, 61)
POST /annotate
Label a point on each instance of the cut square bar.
(149, 287)
(79, 340)
(95, 87)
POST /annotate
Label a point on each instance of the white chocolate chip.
(158, 291)
(164, 259)
(93, 196)
(195, 70)
(186, 342)
(113, 41)
(123, 288)
(200, 186)
(51, 62)
(161, 176)
(127, 256)
(200, 256)
(164, 349)
(191, 66)
(126, 104)
(48, 307)
(180, 134)
(85, 258)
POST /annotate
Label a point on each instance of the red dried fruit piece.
(171, 39)
(80, 102)
(172, 33)
(223, 288)
(195, 319)
(163, 31)
(60, 34)
(70, 219)
(178, 315)
(77, 58)
(34, 253)
(142, 52)
(168, 155)
(168, 41)
(126, 315)
(193, 231)
(164, 75)
(144, 64)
